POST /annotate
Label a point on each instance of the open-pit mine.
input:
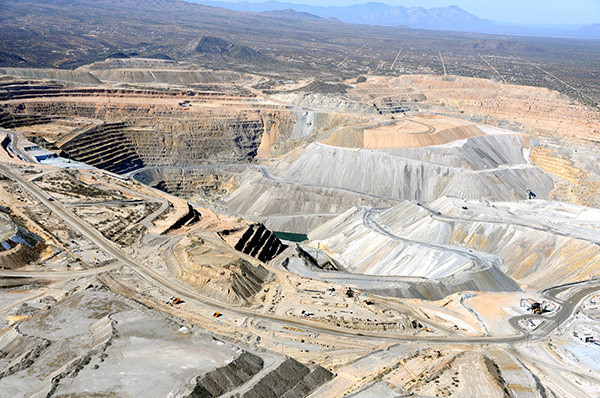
(169, 230)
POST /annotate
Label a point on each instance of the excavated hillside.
(18, 246)
(222, 137)
(217, 121)
(201, 183)
(135, 135)
(530, 108)
(215, 271)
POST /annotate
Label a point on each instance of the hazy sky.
(574, 12)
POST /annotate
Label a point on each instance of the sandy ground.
(494, 309)
(420, 131)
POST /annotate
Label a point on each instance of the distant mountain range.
(589, 31)
(290, 13)
(451, 18)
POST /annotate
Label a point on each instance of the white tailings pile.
(314, 183)
(537, 243)
(542, 243)
(384, 174)
(292, 207)
(361, 242)
(477, 153)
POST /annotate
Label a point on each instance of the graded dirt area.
(419, 132)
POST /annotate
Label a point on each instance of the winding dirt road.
(567, 308)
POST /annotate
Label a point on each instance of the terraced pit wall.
(11, 121)
(194, 183)
(574, 162)
(107, 147)
(158, 135)
(123, 147)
